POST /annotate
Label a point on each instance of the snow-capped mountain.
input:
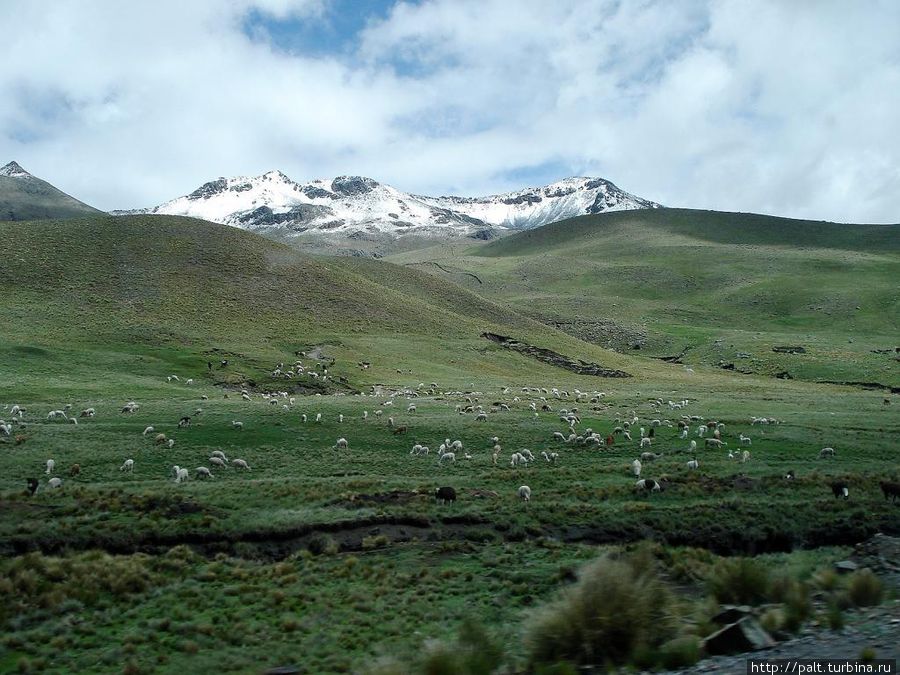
(13, 170)
(357, 206)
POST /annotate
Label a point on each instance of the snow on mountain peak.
(356, 205)
(13, 170)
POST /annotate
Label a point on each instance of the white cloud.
(774, 107)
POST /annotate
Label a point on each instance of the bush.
(865, 589)
(772, 620)
(681, 652)
(797, 606)
(867, 654)
(387, 665)
(474, 653)
(375, 541)
(835, 616)
(826, 579)
(481, 654)
(739, 581)
(322, 544)
(615, 612)
(440, 659)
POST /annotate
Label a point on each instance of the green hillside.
(176, 289)
(26, 197)
(337, 556)
(721, 289)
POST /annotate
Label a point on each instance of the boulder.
(745, 635)
(731, 614)
(845, 566)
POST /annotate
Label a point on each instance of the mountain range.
(360, 207)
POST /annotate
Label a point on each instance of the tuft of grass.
(616, 611)
(835, 616)
(867, 654)
(322, 544)
(375, 541)
(682, 652)
(475, 652)
(797, 606)
(739, 581)
(826, 579)
(864, 589)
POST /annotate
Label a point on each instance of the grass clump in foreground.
(620, 611)
(865, 589)
(739, 581)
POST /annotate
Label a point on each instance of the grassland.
(334, 558)
(712, 288)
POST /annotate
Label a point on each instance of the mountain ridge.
(24, 196)
(358, 206)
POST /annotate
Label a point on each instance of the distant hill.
(26, 197)
(711, 288)
(177, 287)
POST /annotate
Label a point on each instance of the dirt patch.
(863, 385)
(603, 332)
(392, 497)
(789, 350)
(553, 358)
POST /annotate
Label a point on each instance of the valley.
(340, 558)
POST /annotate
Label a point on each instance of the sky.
(787, 107)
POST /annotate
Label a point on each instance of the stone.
(845, 566)
(731, 614)
(745, 635)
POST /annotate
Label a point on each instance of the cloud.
(773, 107)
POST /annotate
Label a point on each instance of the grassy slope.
(170, 289)
(31, 198)
(676, 279)
(101, 310)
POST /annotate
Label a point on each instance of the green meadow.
(341, 560)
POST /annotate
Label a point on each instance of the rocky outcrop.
(553, 358)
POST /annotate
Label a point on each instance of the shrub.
(615, 611)
(474, 653)
(322, 544)
(826, 579)
(681, 652)
(772, 620)
(440, 659)
(865, 589)
(375, 541)
(867, 654)
(386, 665)
(797, 606)
(835, 616)
(740, 581)
(480, 653)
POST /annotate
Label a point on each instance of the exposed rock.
(485, 235)
(553, 358)
(789, 350)
(845, 566)
(209, 189)
(881, 554)
(353, 185)
(523, 199)
(731, 614)
(745, 635)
